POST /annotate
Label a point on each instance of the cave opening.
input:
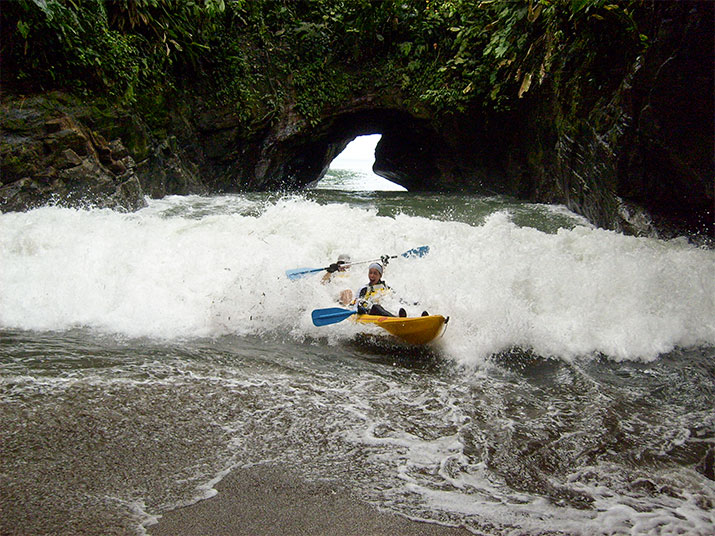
(405, 151)
(352, 169)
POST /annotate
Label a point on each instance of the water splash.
(197, 267)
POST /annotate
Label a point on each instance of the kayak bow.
(412, 330)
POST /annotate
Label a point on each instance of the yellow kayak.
(412, 330)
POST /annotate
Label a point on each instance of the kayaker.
(341, 265)
(369, 296)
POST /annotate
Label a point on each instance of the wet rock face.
(410, 158)
(54, 150)
(49, 158)
(668, 167)
(640, 160)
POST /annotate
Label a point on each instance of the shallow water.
(143, 355)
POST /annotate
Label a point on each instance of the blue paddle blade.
(332, 315)
(417, 252)
(297, 273)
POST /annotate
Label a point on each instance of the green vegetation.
(439, 55)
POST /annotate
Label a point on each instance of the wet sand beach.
(266, 500)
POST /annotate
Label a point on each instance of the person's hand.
(332, 268)
(385, 259)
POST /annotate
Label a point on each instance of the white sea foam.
(194, 267)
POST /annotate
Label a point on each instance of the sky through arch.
(352, 169)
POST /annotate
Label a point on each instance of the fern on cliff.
(261, 55)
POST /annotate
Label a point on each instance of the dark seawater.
(142, 356)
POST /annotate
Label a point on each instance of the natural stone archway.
(476, 152)
(407, 154)
(628, 147)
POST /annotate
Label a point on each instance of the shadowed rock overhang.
(409, 152)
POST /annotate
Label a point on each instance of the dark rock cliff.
(57, 150)
(634, 153)
(52, 156)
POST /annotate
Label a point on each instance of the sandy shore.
(268, 501)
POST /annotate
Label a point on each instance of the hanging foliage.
(441, 54)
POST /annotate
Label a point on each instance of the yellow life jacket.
(372, 294)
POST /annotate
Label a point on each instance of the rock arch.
(409, 152)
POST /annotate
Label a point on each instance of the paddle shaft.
(419, 252)
(416, 251)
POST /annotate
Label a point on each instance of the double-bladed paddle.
(297, 273)
(332, 315)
